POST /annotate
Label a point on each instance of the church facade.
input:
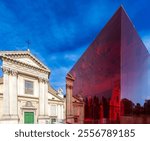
(25, 93)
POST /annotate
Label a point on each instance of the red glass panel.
(112, 74)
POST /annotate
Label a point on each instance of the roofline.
(2, 53)
(55, 92)
(56, 95)
(22, 63)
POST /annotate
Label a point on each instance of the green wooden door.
(28, 117)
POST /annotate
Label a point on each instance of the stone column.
(69, 104)
(10, 106)
(46, 97)
(13, 91)
(43, 101)
(6, 110)
(58, 112)
(68, 99)
(62, 112)
(41, 97)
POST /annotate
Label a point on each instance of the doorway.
(29, 117)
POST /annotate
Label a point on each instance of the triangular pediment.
(53, 94)
(24, 57)
(28, 61)
(54, 97)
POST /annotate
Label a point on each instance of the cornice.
(53, 92)
(55, 95)
(70, 77)
(58, 101)
(8, 59)
(24, 98)
(22, 54)
(69, 81)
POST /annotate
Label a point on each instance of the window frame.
(26, 80)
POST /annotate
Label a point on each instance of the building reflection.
(100, 110)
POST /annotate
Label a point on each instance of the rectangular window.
(28, 87)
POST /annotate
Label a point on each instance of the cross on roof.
(28, 43)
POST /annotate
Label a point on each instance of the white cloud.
(71, 57)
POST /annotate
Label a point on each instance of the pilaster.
(43, 100)
(6, 102)
(13, 94)
(41, 97)
(46, 97)
(10, 105)
(69, 104)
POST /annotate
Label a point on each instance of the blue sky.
(61, 30)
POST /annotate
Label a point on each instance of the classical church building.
(25, 93)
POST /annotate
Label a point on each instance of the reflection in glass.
(112, 75)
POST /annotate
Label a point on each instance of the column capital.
(46, 81)
(13, 72)
(9, 71)
(69, 81)
(43, 80)
(69, 86)
(6, 70)
(40, 79)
